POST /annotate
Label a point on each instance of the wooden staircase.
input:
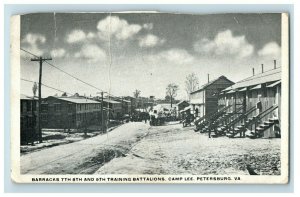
(205, 120)
(226, 127)
(256, 121)
(216, 124)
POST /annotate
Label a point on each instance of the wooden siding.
(63, 114)
(28, 120)
(207, 98)
(268, 96)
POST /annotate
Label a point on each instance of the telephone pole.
(102, 112)
(40, 60)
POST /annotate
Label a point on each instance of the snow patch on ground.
(86, 156)
(172, 149)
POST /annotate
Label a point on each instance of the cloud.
(90, 35)
(176, 56)
(92, 53)
(119, 28)
(76, 36)
(225, 44)
(32, 42)
(57, 53)
(34, 38)
(148, 26)
(150, 40)
(271, 49)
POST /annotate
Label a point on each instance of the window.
(44, 107)
(22, 107)
(34, 105)
(28, 105)
(57, 107)
(44, 117)
(264, 90)
(70, 107)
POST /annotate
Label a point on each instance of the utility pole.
(40, 60)
(102, 112)
(122, 105)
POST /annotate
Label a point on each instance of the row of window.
(27, 106)
(87, 116)
(79, 107)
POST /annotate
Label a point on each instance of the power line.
(50, 64)
(46, 86)
(28, 52)
(73, 76)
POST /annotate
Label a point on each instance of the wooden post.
(102, 113)
(40, 60)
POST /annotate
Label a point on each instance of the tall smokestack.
(207, 78)
(274, 64)
(253, 71)
(262, 68)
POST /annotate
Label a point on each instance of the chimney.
(262, 68)
(274, 64)
(253, 71)
(207, 78)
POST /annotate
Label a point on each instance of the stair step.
(274, 120)
(263, 126)
(214, 135)
(240, 127)
(259, 129)
(268, 122)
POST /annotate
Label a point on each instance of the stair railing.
(226, 118)
(262, 115)
(239, 118)
(209, 116)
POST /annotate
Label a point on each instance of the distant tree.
(167, 98)
(191, 83)
(64, 94)
(136, 93)
(34, 88)
(171, 91)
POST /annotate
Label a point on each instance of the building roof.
(25, 97)
(79, 100)
(186, 109)
(211, 82)
(110, 101)
(265, 77)
(181, 102)
(122, 100)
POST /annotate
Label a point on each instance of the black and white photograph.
(150, 97)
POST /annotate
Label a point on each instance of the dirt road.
(137, 148)
(86, 156)
(175, 150)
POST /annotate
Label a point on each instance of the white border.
(15, 125)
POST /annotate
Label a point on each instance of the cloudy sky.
(122, 52)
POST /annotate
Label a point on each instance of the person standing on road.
(145, 117)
